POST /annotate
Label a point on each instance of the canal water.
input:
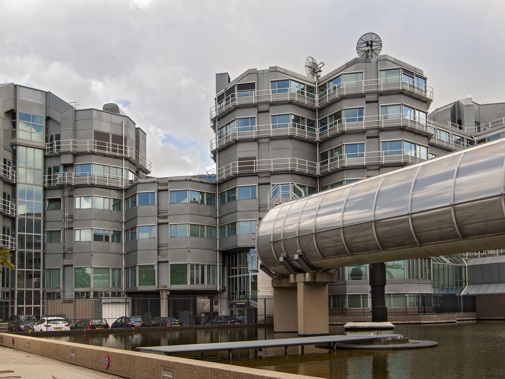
(465, 350)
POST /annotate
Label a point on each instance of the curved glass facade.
(447, 205)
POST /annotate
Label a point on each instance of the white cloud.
(159, 58)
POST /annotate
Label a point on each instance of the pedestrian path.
(19, 364)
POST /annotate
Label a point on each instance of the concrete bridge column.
(164, 302)
(301, 303)
(285, 306)
(378, 289)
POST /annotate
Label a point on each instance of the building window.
(83, 202)
(246, 124)
(391, 147)
(197, 230)
(178, 230)
(53, 278)
(30, 127)
(280, 121)
(146, 232)
(82, 235)
(354, 150)
(395, 270)
(53, 236)
(178, 274)
(131, 277)
(390, 76)
(82, 277)
(146, 198)
(228, 196)
(391, 111)
(210, 198)
(442, 135)
(101, 278)
(179, 197)
(147, 275)
(359, 272)
(196, 197)
(54, 204)
(246, 89)
(246, 227)
(246, 192)
(228, 230)
(353, 114)
(280, 86)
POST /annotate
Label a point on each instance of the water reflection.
(465, 350)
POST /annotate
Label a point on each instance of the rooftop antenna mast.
(369, 46)
(313, 68)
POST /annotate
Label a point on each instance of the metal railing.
(92, 146)
(248, 167)
(307, 98)
(8, 242)
(8, 207)
(396, 157)
(265, 131)
(8, 172)
(69, 178)
(278, 194)
(361, 87)
(261, 96)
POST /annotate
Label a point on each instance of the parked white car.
(50, 324)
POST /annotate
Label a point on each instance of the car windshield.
(28, 318)
(56, 320)
(136, 319)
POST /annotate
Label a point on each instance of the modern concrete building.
(85, 223)
(281, 135)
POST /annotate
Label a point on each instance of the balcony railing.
(248, 167)
(70, 179)
(8, 207)
(92, 146)
(397, 157)
(264, 96)
(372, 86)
(8, 242)
(310, 99)
(8, 173)
(265, 131)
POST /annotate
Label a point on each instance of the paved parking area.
(19, 364)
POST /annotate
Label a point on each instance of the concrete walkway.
(18, 364)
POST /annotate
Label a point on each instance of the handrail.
(69, 178)
(97, 147)
(8, 172)
(8, 242)
(267, 165)
(263, 131)
(302, 96)
(8, 207)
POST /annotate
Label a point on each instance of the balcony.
(374, 86)
(360, 124)
(91, 146)
(254, 167)
(8, 207)
(396, 158)
(292, 130)
(8, 242)
(70, 179)
(8, 173)
(233, 101)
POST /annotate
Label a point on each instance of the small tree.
(5, 258)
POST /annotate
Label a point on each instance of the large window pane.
(82, 277)
(178, 274)
(147, 275)
(101, 278)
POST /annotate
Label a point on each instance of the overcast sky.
(157, 59)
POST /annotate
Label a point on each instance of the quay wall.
(131, 364)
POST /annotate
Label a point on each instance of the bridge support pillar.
(285, 315)
(377, 273)
(301, 303)
(164, 302)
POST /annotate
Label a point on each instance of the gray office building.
(91, 233)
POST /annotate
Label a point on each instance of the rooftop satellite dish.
(312, 68)
(369, 46)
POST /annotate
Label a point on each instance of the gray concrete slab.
(19, 364)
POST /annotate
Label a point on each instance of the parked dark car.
(128, 322)
(224, 320)
(91, 324)
(21, 323)
(165, 321)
